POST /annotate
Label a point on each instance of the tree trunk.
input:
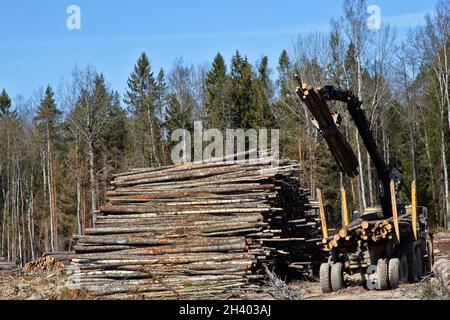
(369, 178)
(446, 191)
(78, 189)
(30, 220)
(152, 136)
(53, 204)
(5, 208)
(92, 182)
(361, 171)
(362, 190)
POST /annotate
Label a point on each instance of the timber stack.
(7, 267)
(198, 231)
(371, 227)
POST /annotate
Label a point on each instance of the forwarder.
(386, 245)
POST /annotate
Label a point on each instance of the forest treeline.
(60, 147)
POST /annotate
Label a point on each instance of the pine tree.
(48, 113)
(5, 106)
(46, 118)
(218, 112)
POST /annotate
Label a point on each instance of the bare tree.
(432, 42)
(87, 99)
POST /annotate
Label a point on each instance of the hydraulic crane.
(380, 249)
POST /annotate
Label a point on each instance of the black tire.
(324, 278)
(337, 276)
(419, 262)
(404, 269)
(382, 274)
(394, 273)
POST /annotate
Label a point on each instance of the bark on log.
(197, 228)
(442, 270)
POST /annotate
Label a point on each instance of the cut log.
(442, 270)
(194, 229)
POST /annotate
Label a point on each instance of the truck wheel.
(382, 274)
(404, 269)
(337, 276)
(324, 278)
(419, 262)
(395, 273)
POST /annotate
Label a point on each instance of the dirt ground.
(428, 289)
(50, 285)
(38, 286)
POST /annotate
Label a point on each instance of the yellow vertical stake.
(414, 208)
(345, 216)
(394, 210)
(322, 213)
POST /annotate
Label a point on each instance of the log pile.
(441, 243)
(368, 229)
(442, 271)
(8, 267)
(64, 257)
(43, 264)
(197, 231)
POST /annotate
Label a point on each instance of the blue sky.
(36, 47)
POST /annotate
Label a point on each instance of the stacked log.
(7, 267)
(64, 257)
(442, 271)
(43, 264)
(441, 243)
(369, 229)
(197, 231)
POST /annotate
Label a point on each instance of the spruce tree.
(218, 112)
(284, 69)
(115, 138)
(176, 118)
(141, 98)
(265, 93)
(244, 93)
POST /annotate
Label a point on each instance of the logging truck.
(386, 245)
